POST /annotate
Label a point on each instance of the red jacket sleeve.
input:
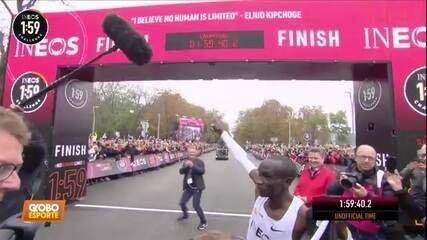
(298, 187)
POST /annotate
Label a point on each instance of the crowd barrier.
(261, 156)
(113, 166)
(209, 149)
(258, 155)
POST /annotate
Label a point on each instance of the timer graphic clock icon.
(30, 27)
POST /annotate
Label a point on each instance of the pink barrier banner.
(160, 160)
(152, 160)
(166, 158)
(111, 166)
(172, 157)
(140, 163)
(108, 167)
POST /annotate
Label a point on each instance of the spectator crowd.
(335, 154)
(119, 147)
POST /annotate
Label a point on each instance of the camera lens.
(346, 183)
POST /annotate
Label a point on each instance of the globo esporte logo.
(43, 210)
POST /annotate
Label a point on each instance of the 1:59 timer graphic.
(24, 87)
(67, 184)
(30, 27)
(415, 90)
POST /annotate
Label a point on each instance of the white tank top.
(261, 226)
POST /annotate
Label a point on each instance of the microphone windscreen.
(126, 39)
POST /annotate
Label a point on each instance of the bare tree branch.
(2, 48)
(7, 7)
(19, 6)
(29, 4)
(65, 3)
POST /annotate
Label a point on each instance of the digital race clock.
(215, 40)
(355, 203)
(346, 208)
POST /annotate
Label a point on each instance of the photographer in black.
(193, 185)
(364, 179)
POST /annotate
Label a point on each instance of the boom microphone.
(126, 39)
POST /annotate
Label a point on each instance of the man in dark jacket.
(193, 185)
(416, 172)
(406, 201)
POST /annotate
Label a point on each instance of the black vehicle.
(222, 153)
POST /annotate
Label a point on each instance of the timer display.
(355, 209)
(215, 40)
(355, 203)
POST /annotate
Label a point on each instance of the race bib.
(189, 181)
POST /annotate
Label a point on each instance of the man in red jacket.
(315, 179)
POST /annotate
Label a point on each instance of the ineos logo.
(395, 37)
(121, 165)
(139, 162)
(49, 47)
(75, 94)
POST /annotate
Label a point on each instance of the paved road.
(149, 206)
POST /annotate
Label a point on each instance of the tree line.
(121, 107)
(274, 122)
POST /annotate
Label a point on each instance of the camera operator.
(363, 179)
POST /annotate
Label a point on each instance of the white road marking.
(159, 210)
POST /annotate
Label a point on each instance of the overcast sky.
(230, 96)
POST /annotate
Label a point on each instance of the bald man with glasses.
(371, 182)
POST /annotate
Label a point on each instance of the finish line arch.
(230, 40)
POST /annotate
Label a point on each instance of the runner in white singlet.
(277, 214)
(261, 226)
